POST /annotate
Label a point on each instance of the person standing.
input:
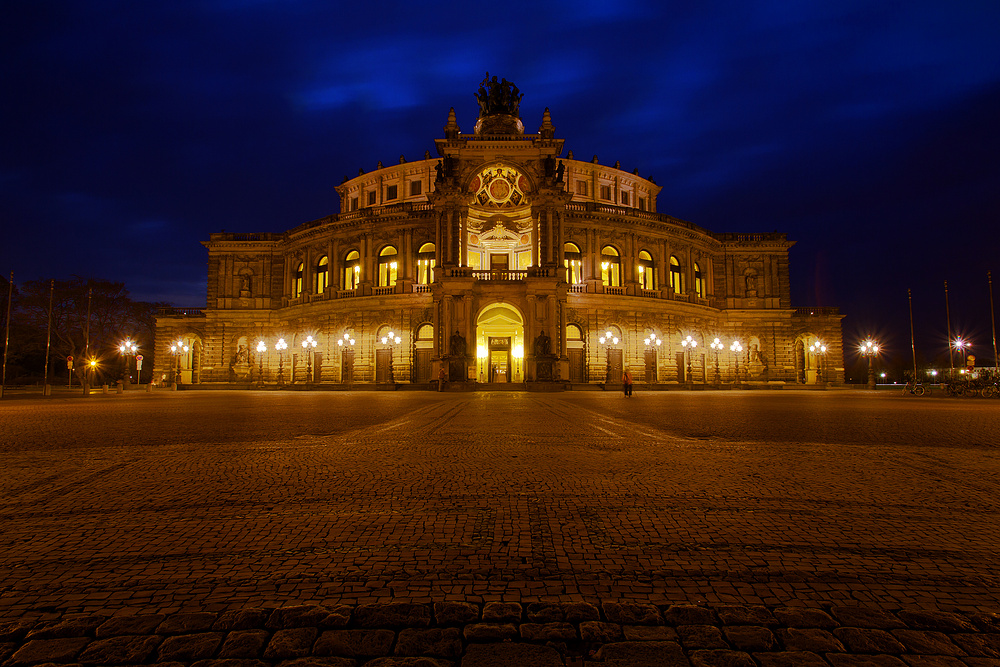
(627, 383)
(441, 377)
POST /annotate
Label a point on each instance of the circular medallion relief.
(499, 189)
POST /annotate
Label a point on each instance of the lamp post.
(607, 340)
(652, 343)
(736, 348)
(389, 340)
(125, 349)
(281, 346)
(962, 345)
(177, 349)
(819, 351)
(91, 368)
(261, 349)
(717, 347)
(309, 344)
(346, 344)
(689, 344)
(869, 348)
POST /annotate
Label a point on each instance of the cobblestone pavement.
(709, 516)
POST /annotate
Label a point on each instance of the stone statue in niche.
(560, 171)
(543, 345)
(456, 347)
(245, 285)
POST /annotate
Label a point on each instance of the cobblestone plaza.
(214, 502)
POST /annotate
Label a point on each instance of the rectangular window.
(581, 188)
(415, 188)
(390, 192)
(354, 203)
(624, 198)
(371, 198)
(642, 203)
(606, 192)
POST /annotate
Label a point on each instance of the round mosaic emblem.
(499, 189)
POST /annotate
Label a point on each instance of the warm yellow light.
(481, 351)
(384, 340)
(518, 351)
(261, 346)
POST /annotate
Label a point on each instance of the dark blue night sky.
(868, 131)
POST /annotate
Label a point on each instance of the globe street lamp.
(689, 344)
(261, 349)
(389, 340)
(607, 340)
(127, 348)
(346, 344)
(717, 347)
(736, 347)
(177, 349)
(309, 344)
(869, 348)
(652, 343)
(281, 346)
(819, 351)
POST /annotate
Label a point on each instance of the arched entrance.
(500, 344)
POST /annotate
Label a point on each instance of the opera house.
(499, 261)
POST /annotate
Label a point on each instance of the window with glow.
(425, 264)
(573, 261)
(699, 281)
(676, 276)
(352, 270)
(646, 271)
(611, 269)
(387, 267)
(322, 274)
(297, 281)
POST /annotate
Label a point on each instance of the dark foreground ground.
(382, 528)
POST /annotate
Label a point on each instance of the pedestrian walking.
(627, 383)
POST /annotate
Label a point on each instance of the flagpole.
(86, 350)
(48, 341)
(913, 340)
(6, 344)
(951, 350)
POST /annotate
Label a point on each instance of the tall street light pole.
(48, 341)
(736, 348)
(717, 347)
(6, 344)
(309, 344)
(281, 346)
(689, 344)
(869, 348)
(947, 314)
(819, 351)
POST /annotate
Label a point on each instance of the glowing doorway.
(500, 344)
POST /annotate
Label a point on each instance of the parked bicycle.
(915, 388)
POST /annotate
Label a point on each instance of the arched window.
(322, 280)
(352, 270)
(387, 267)
(676, 276)
(699, 281)
(646, 270)
(425, 264)
(573, 261)
(297, 282)
(611, 268)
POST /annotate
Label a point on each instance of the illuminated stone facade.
(499, 261)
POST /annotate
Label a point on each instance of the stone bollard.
(149, 388)
(104, 389)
